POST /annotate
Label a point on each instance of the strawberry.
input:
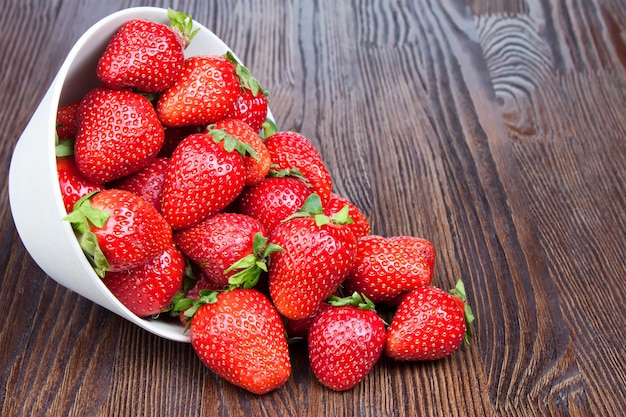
(386, 269)
(202, 179)
(118, 134)
(318, 252)
(221, 241)
(251, 109)
(360, 226)
(257, 159)
(204, 93)
(73, 183)
(146, 56)
(118, 230)
(344, 342)
(289, 150)
(273, 199)
(429, 324)
(174, 136)
(240, 337)
(147, 183)
(149, 288)
(251, 104)
(66, 120)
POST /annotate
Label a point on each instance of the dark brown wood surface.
(496, 129)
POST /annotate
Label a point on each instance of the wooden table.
(496, 129)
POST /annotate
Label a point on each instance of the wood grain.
(496, 129)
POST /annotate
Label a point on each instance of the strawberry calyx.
(313, 207)
(245, 76)
(64, 147)
(459, 292)
(182, 25)
(289, 172)
(251, 266)
(230, 142)
(356, 299)
(83, 214)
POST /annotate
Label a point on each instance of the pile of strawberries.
(191, 204)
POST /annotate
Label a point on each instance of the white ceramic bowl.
(34, 194)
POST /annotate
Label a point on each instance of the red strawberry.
(360, 226)
(147, 183)
(289, 150)
(204, 93)
(257, 159)
(201, 282)
(386, 269)
(273, 200)
(118, 134)
(220, 241)
(251, 104)
(241, 338)
(66, 120)
(202, 179)
(429, 324)
(424, 248)
(146, 56)
(119, 230)
(344, 342)
(148, 289)
(318, 253)
(73, 183)
(174, 136)
(251, 109)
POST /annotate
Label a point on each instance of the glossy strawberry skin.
(204, 93)
(118, 134)
(257, 167)
(218, 242)
(386, 269)
(146, 183)
(289, 150)
(66, 120)
(315, 261)
(202, 179)
(73, 183)
(143, 55)
(273, 200)
(344, 344)
(429, 324)
(134, 233)
(251, 109)
(241, 338)
(149, 288)
(360, 226)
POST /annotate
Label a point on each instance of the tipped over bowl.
(34, 194)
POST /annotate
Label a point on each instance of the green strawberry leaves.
(83, 213)
(230, 142)
(251, 266)
(312, 207)
(245, 76)
(356, 299)
(182, 24)
(459, 291)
